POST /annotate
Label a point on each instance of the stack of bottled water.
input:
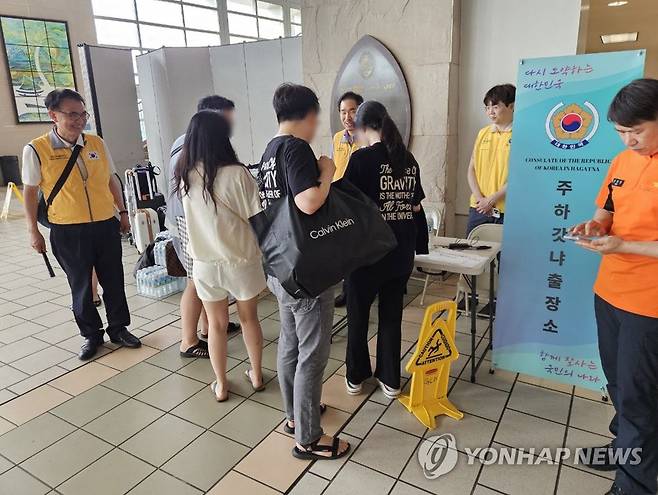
(160, 252)
(154, 281)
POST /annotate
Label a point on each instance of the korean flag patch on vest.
(93, 155)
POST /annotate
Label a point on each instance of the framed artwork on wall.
(38, 56)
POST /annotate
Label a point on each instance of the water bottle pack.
(160, 252)
(154, 281)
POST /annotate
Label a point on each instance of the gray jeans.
(303, 351)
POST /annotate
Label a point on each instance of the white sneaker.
(389, 392)
(353, 389)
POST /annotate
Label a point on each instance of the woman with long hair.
(219, 195)
(389, 174)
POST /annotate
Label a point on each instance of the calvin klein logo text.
(330, 229)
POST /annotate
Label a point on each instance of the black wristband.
(123, 211)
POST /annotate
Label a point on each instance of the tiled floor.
(144, 422)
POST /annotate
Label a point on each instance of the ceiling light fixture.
(618, 38)
(618, 3)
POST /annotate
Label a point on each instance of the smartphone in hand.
(580, 237)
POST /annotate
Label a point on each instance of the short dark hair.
(215, 102)
(350, 95)
(294, 102)
(502, 93)
(55, 97)
(635, 103)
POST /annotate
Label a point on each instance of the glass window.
(295, 30)
(242, 24)
(272, 10)
(239, 39)
(244, 6)
(121, 9)
(195, 38)
(135, 54)
(296, 16)
(270, 29)
(156, 36)
(116, 33)
(160, 12)
(207, 3)
(198, 18)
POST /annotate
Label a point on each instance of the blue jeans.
(303, 352)
(475, 218)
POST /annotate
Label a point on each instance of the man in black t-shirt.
(289, 166)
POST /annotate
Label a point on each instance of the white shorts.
(215, 281)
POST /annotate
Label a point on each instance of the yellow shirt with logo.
(342, 151)
(85, 196)
(491, 156)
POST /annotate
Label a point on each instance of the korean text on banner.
(562, 146)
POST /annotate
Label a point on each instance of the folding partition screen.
(173, 79)
(109, 89)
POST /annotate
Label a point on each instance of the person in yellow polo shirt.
(84, 233)
(625, 227)
(489, 166)
(345, 142)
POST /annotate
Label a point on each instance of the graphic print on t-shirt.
(269, 188)
(300, 172)
(396, 196)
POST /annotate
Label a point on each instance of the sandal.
(290, 430)
(213, 387)
(197, 351)
(232, 328)
(247, 376)
(309, 452)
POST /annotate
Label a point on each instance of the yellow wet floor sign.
(11, 187)
(430, 366)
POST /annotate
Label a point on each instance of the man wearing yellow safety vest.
(345, 142)
(344, 145)
(84, 233)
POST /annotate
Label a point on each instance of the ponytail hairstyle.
(373, 115)
(208, 145)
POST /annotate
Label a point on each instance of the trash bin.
(9, 170)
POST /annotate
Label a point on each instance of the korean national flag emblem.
(93, 155)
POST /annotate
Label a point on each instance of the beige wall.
(421, 35)
(493, 39)
(78, 14)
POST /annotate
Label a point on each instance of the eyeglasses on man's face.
(75, 115)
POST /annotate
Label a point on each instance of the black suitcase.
(146, 187)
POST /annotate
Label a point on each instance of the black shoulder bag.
(42, 209)
(310, 253)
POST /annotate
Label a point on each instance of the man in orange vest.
(624, 230)
(84, 233)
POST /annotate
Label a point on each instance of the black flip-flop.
(290, 430)
(232, 328)
(308, 454)
(196, 351)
